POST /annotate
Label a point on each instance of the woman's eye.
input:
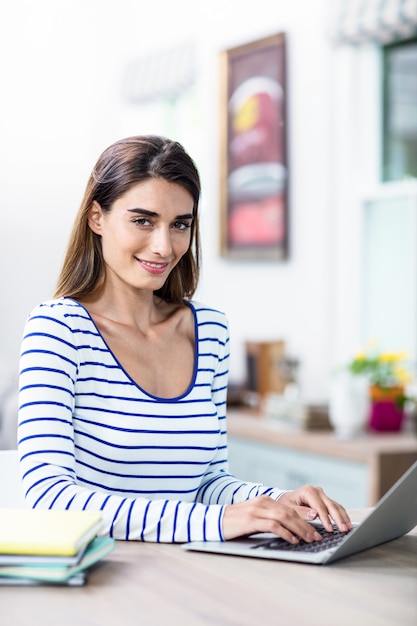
(141, 221)
(182, 225)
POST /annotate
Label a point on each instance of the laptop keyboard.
(329, 540)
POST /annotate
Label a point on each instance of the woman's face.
(145, 233)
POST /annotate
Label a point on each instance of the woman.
(123, 377)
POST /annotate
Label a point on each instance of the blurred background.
(77, 75)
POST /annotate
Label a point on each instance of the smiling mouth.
(154, 268)
(157, 266)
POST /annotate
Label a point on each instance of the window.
(400, 111)
(389, 269)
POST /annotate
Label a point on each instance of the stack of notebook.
(49, 546)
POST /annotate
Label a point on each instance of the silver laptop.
(393, 516)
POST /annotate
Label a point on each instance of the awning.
(383, 21)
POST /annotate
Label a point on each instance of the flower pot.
(386, 412)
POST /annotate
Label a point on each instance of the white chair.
(11, 493)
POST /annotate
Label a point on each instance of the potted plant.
(388, 377)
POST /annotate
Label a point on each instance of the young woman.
(123, 376)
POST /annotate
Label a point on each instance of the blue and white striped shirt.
(90, 438)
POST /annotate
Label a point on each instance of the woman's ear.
(95, 215)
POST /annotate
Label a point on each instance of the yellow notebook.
(48, 532)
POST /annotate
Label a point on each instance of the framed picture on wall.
(253, 160)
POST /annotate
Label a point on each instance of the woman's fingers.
(262, 514)
(315, 499)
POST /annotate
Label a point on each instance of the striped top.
(91, 438)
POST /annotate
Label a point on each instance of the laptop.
(393, 516)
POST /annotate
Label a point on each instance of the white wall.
(62, 66)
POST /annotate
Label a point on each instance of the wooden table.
(157, 584)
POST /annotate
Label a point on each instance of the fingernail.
(311, 514)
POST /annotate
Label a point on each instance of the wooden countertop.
(270, 431)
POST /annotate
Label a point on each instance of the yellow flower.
(384, 369)
(403, 376)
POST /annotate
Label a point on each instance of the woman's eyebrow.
(186, 216)
(144, 212)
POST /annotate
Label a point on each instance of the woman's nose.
(161, 242)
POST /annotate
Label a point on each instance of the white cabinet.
(276, 466)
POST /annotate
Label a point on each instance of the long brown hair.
(122, 165)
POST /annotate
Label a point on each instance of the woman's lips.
(153, 268)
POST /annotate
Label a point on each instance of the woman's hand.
(312, 503)
(287, 517)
